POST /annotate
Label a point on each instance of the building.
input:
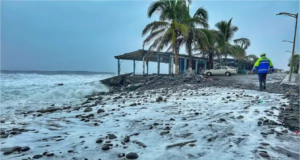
(162, 57)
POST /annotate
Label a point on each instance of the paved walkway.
(294, 79)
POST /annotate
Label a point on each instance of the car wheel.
(209, 74)
(227, 74)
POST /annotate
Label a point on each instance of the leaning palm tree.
(168, 28)
(210, 51)
(195, 35)
(226, 33)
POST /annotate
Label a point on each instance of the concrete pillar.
(119, 67)
(158, 64)
(205, 63)
(143, 65)
(196, 66)
(147, 67)
(170, 63)
(185, 62)
(133, 67)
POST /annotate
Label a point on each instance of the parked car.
(221, 70)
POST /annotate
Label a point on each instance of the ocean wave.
(35, 91)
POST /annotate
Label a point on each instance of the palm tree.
(295, 63)
(195, 35)
(210, 51)
(168, 28)
(226, 32)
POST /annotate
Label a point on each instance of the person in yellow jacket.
(262, 65)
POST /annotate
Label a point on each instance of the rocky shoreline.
(162, 117)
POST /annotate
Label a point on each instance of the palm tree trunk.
(225, 59)
(190, 62)
(210, 59)
(176, 52)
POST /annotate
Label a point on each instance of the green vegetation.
(295, 63)
(176, 28)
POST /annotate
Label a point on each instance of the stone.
(16, 148)
(100, 110)
(264, 155)
(240, 117)
(159, 99)
(4, 136)
(105, 148)
(126, 139)
(264, 143)
(111, 136)
(222, 120)
(121, 155)
(7, 152)
(99, 140)
(132, 155)
(50, 109)
(37, 156)
(88, 109)
(50, 154)
(164, 133)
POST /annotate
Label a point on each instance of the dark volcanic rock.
(50, 154)
(24, 149)
(105, 148)
(100, 110)
(99, 140)
(7, 152)
(37, 156)
(159, 99)
(121, 155)
(264, 154)
(111, 136)
(50, 109)
(16, 148)
(126, 139)
(88, 109)
(132, 155)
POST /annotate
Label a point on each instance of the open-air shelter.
(147, 56)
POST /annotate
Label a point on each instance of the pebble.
(88, 109)
(24, 149)
(100, 110)
(264, 143)
(121, 155)
(105, 148)
(37, 156)
(222, 120)
(7, 152)
(132, 155)
(99, 140)
(264, 154)
(126, 139)
(50, 154)
(111, 136)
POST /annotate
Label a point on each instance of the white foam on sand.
(196, 115)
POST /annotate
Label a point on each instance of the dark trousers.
(262, 77)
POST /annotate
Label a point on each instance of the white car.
(220, 70)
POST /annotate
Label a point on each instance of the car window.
(218, 68)
(224, 67)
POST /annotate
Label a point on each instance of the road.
(251, 79)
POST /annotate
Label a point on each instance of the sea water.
(24, 91)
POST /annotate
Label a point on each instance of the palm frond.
(154, 26)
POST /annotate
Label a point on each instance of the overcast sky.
(86, 35)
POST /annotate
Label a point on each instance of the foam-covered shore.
(186, 123)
